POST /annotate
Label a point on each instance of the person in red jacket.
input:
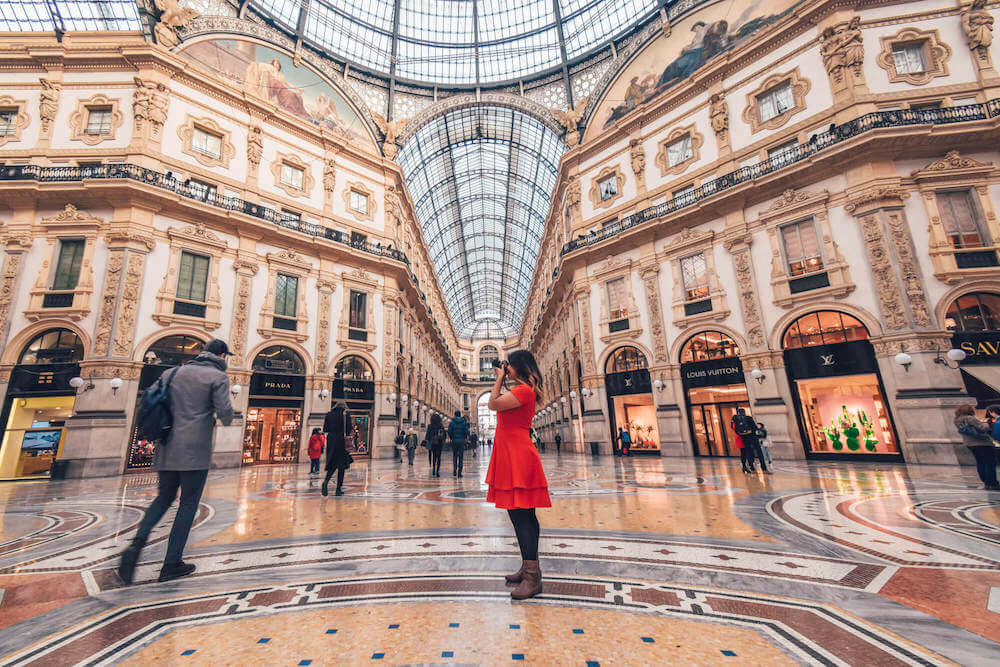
(316, 443)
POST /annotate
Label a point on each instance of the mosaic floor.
(646, 561)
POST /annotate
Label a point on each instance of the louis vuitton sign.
(713, 373)
(628, 382)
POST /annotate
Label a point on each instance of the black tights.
(527, 530)
(340, 476)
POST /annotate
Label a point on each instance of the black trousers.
(340, 476)
(751, 443)
(191, 484)
(313, 465)
(457, 457)
(986, 463)
(527, 530)
(436, 460)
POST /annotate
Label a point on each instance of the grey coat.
(981, 426)
(199, 390)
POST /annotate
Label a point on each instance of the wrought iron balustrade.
(194, 192)
(818, 142)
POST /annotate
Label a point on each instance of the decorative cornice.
(197, 233)
(877, 197)
(130, 238)
(71, 214)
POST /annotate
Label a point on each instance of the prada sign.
(980, 347)
(850, 358)
(354, 390)
(275, 384)
(628, 382)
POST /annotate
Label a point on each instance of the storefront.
(274, 410)
(974, 320)
(39, 401)
(714, 388)
(630, 401)
(837, 389)
(166, 353)
(354, 382)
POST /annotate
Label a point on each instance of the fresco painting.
(273, 76)
(692, 42)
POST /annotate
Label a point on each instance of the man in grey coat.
(199, 391)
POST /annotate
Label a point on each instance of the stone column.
(595, 418)
(923, 394)
(15, 245)
(97, 435)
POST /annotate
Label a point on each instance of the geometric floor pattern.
(646, 561)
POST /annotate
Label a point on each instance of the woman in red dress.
(515, 477)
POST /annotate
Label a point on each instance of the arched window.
(709, 345)
(279, 359)
(55, 346)
(978, 311)
(823, 328)
(353, 368)
(625, 359)
(487, 355)
(173, 350)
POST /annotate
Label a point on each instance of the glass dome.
(459, 42)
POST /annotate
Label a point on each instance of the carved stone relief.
(8, 284)
(977, 23)
(748, 297)
(109, 298)
(651, 280)
(326, 289)
(908, 268)
(149, 107)
(241, 311)
(889, 296)
(48, 104)
(128, 307)
(842, 49)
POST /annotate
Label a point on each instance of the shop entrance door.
(710, 424)
(272, 435)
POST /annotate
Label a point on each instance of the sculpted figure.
(978, 25)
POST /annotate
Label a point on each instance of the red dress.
(515, 476)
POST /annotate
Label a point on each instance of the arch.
(619, 348)
(974, 311)
(870, 321)
(488, 348)
(831, 326)
(13, 350)
(248, 31)
(462, 101)
(678, 345)
(66, 341)
(187, 348)
(707, 345)
(303, 356)
(369, 359)
(954, 293)
(353, 363)
(139, 351)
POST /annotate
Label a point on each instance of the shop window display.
(846, 414)
(637, 415)
(272, 435)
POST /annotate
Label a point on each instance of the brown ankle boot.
(516, 577)
(531, 582)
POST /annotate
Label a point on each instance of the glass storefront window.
(978, 311)
(279, 359)
(824, 328)
(709, 345)
(637, 415)
(625, 359)
(34, 435)
(272, 435)
(846, 414)
(55, 346)
(353, 368)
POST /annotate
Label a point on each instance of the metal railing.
(195, 192)
(818, 142)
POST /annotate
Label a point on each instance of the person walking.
(400, 442)
(338, 428)
(764, 444)
(458, 433)
(473, 445)
(746, 455)
(410, 442)
(558, 440)
(198, 393)
(515, 477)
(976, 436)
(316, 442)
(746, 428)
(435, 436)
(626, 441)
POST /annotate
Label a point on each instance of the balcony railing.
(193, 191)
(818, 142)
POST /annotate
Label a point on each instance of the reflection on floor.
(646, 561)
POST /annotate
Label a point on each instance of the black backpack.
(155, 419)
(744, 425)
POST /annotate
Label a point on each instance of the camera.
(499, 364)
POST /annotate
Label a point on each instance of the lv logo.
(826, 359)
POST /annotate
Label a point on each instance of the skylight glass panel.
(502, 19)
(503, 61)
(25, 16)
(438, 21)
(285, 11)
(589, 24)
(99, 14)
(355, 41)
(422, 62)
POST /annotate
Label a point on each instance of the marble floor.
(647, 561)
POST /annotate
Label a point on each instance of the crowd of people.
(181, 408)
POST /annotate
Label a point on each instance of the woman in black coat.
(337, 427)
(435, 442)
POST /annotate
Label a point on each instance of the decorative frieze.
(241, 309)
(745, 279)
(109, 298)
(843, 50)
(325, 289)
(650, 274)
(886, 287)
(8, 283)
(149, 108)
(48, 105)
(128, 306)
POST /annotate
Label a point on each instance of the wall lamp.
(758, 375)
(78, 382)
(392, 397)
(324, 394)
(954, 355)
(903, 359)
(235, 390)
(586, 392)
(115, 384)
(658, 384)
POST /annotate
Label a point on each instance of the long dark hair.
(524, 364)
(435, 423)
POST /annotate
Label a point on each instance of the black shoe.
(176, 571)
(992, 487)
(338, 492)
(126, 568)
(459, 474)
(325, 489)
